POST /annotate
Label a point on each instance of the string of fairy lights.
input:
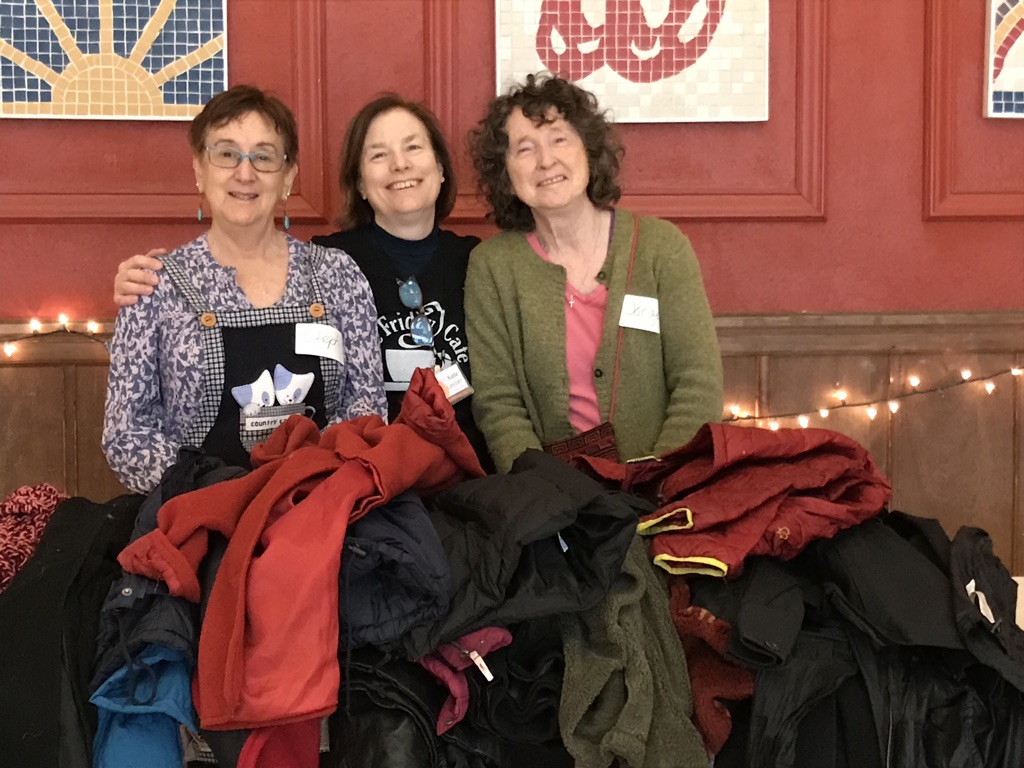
(89, 329)
(839, 398)
(871, 408)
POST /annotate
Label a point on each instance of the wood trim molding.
(307, 204)
(441, 32)
(941, 198)
(954, 332)
(804, 200)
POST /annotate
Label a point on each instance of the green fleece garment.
(669, 383)
(626, 692)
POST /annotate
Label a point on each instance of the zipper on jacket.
(477, 659)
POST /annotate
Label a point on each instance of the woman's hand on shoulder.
(135, 277)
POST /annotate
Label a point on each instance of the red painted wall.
(876, 184)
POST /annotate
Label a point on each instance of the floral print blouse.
(156, 374)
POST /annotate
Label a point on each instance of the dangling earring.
(287, 221)
(199, 208)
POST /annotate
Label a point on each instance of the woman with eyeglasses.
(248, 325)
(579, 313)
(398, 182)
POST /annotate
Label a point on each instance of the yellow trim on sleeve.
(681, 566)
(655, 525)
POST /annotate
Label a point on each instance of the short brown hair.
(238, 101)
(358, 212)
(488, 143)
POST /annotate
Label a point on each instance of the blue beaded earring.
(287, 221)
(199, 208)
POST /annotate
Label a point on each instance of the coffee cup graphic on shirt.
(401, 363)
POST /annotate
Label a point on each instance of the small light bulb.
(823, 413)
(734, 410)
(773, 426)
(34, 325)
(803, 421)
(62, 319)
(1015, 371)
(915, 381)
(92, 326)
(990, 387)
(841, 395)
(965, 374)
(894, 406)
(871, 412)
(10, 349)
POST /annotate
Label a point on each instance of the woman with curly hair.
(579, 313)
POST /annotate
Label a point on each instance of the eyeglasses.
(412, 298)
(263, 160)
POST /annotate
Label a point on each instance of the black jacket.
(48, 623)
(540, 541)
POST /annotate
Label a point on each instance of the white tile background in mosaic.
(646, 60)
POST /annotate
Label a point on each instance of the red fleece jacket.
(268, 646)
(737, 491)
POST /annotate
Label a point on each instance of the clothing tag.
(640, 312)
(320, 340)
(481, 665)
(454, 382)
(561, 542)
(981, 601)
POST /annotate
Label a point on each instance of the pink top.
(584, 322)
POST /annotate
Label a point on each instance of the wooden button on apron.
(316, 309)
(208, 319)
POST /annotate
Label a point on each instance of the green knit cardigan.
(669, 383)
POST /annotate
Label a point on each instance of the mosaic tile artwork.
(111, 59)
(648, 61)
(1005, 71)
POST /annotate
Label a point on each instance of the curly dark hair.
(357, 211)
(488, 145)
(238, 101)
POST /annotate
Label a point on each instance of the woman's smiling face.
(399, 174)
(242, 195)
(547, 163)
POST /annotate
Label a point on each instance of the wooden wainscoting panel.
(741, 383)
(95, 480)
(800, 385)
(32, 430)
(953, 450)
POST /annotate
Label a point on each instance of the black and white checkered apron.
(237, 347)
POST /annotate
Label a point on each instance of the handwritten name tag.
(319, 340)
(640, 312)
(454, 383)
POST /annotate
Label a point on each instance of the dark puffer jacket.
(540, 541)
(394, 575)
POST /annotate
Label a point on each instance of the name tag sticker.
(319, 340)
(640, 312)
(454, 383)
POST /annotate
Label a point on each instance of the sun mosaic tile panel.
(1005, 71)
(111, 59)
(647, 61)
